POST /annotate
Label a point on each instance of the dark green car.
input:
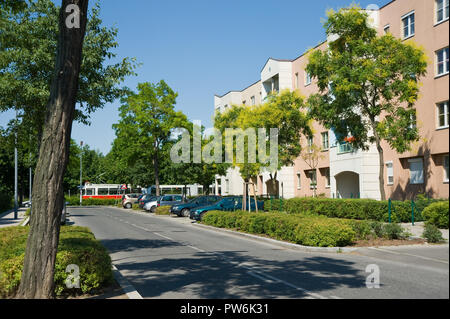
(184, 209)
(226, 204)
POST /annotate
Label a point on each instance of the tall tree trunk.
(48, 194)
(381, 163)
(156, 169)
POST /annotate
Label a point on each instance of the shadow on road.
(225, 275)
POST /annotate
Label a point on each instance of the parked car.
(183, 209)
(129, 199)
(64, 214)
(146, 198)
(165, 200)
(226, 204)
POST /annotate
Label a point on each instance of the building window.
(442, 61)
(310, 144)
(253, 100)
(327, 178)
(227, 186)
(441, 10)
(387, 29)
(244, 102)
(446, 174)
(442, 111)
(296, 81)
(307, 78)
(390, 173)
(408, 23)
(313, 179)
(345, 147)
(325, 141)
(299, 180)
(416, 171)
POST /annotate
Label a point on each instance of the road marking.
(127, 287)
(411, 255)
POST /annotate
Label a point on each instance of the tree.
(312, 155)
(148, 119)
(37, 281)
(284, 112)
(367, 85)
(28, 44)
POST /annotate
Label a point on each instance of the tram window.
(102, 191)
(89, 192)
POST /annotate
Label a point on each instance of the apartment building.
(341, 171)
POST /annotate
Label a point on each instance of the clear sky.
(204, 47)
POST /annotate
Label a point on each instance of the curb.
(281, 243)
(126, 286)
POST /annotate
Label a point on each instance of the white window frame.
(387, 28)
(327, 140)
(422, 179)
(307, 78)
(445, 57)
(445, 165)
(310, 144)
(296, 81)
(408, 18)
(445, 4)
(389, 173)
(312, 179)
(328, 178)
(446, 115)
(299, 180)
(253, 100)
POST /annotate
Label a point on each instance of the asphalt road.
(171, 258)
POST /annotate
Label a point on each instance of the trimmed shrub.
(318, 231)
(432, 234)
(437, 214)
(75, 201)
(361, 209)
(162, 210)
(393, 231)
(77, 245)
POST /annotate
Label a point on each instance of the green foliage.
(285, 111)
(5, 200)
(432, 234)
(393, 231)
(317, 231)
(437, 214)
(162, 210)
(75, 201)
(77, 245)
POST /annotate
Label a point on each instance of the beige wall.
(301, 167)
(434, 143)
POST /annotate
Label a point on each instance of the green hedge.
(437, 214)
(162, 210)
(77, 245)
(6, 201)
(317, 231)
(75, 201)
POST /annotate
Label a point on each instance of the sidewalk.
(418, 228)
(7, 218)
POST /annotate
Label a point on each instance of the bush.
(393, 231)
(437, 214)
(432, 234)
(162, 210)
(77, 245)
(317, 231)
(6, 200)
(75, 201)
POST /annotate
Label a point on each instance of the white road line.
(411, 255)
(127, 287)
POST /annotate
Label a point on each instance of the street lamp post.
(15, 174)
(81, 173)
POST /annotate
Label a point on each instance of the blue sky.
(203, 47)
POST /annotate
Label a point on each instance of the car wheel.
(185, 212)
(152, 210)
(128, 205)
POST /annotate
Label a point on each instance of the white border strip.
(126, 286)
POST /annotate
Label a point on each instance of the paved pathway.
(7, 218)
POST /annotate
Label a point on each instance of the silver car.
(165, 200)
